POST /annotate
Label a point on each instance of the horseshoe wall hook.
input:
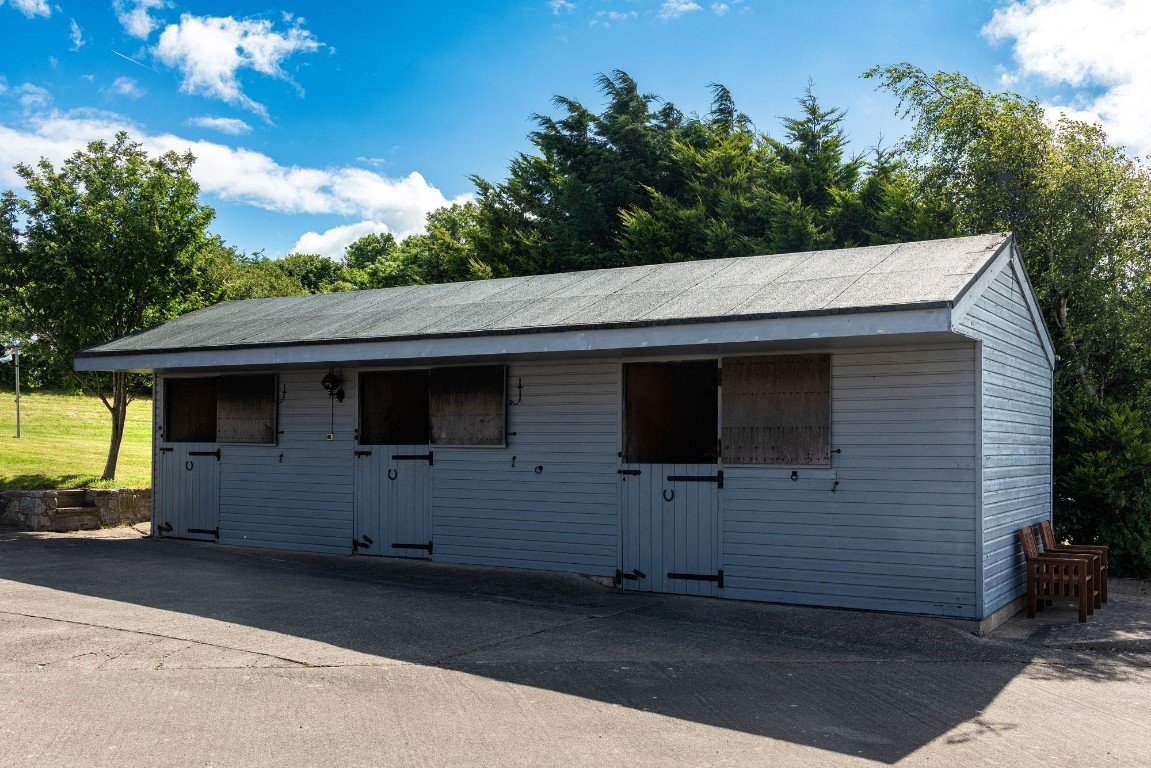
(668, 494)
(392, 474)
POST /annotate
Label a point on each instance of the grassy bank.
(65, 442)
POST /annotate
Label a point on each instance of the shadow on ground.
(860, 684)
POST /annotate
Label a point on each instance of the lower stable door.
(393, 501)
(188, 491)
(393, 509)
(670, 479)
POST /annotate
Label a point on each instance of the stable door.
(671, 479)
(393, 466)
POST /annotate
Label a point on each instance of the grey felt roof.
(877, 278)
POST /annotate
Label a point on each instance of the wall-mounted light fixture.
(332, 382)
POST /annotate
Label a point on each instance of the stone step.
(75, 519)
(71, 498)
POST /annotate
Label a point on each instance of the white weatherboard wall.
(899, 531)
(1016, 428)
(564, 518)
(304, 499)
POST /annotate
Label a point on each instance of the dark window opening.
(246, 409)
(190, 410)
(670, 412)
(394, 408)
(468, 406)
(777, 410)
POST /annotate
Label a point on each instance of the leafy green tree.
(369, 249)
(107, 249)
(560, 209)
(316, 273)
(223, 274)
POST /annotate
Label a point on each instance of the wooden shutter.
(777, 410)
(468, 406)
(394, 408)
(190, 410)
(246, 409)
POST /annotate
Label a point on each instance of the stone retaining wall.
(74, 510)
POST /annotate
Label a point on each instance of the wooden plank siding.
(1016, 429)
(566, 517)
(303, 501)
(898, 532)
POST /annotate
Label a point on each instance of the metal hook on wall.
(283, 394)
(668, 494)
(519, 392)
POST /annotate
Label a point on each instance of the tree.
(1080, 209)
(316, 273)
(107, 249)
(369, 249)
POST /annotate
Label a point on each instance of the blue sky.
(316, 122)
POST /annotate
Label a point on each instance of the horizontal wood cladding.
(296, 494)
(491, 506)
(891, 526)
(1017, 432)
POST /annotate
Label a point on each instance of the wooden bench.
(1047, 536)
(1057, 578)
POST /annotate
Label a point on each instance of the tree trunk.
(1077, 359)
(119, 411)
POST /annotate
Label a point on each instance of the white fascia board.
(1008, 258)
(608, 341)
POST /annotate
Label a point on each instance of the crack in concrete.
(160, 635)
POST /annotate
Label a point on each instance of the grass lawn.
(65, 442)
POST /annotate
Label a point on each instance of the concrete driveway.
(138, 652)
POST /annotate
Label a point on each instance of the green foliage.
(107, 248)
(369, 249)
(1103, 483)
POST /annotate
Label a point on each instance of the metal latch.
(635, 575)
(206, 531)
(363, 453)
(628, 471)
(367, 543)
(215, 453)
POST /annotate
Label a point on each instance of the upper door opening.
(671, 412)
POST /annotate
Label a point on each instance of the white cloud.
(3, 85)
(561, 6)
(608, 18)
(126, 86)
(33, 97)
(235, 174)
(673, 9)
(210, 51)
(76, 35)
(332, 242)
(720, 9)
(1089, 45)
(230, 125)
(31, 8)
(135, 16)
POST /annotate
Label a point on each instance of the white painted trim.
(975, 292)
(607, 341)
(1033, 305)
(980, 560)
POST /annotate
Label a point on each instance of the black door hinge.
(428, 457)
(215, 453)
(363, 453)
(717, 478)
(628, 471)
(367, 543)
(716, 577)
(427, 547)
(215, 532)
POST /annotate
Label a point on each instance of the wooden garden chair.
(1063, 578)
(1047, 536)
